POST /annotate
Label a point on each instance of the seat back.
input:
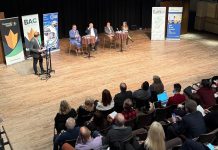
(208, 137)
(160, 114)
(144, 120)
(72, 142)
(131, 123)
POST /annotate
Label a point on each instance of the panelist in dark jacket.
(91, 31)
(36, 51)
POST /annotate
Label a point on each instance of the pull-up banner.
(174, 23)
(11, 39)
(158, 23)
(30, 26)
(50, 28)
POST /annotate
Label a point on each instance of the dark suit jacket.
(193, 125)
(119, 98)
(34, 46)
(88, 31)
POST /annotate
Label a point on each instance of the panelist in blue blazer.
(75, 38)
(91, 31)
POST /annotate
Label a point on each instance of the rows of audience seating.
(144, 119)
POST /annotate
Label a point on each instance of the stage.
(29, 105)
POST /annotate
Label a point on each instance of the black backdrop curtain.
(81, 12)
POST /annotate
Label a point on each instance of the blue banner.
(50, 28)
(174, 23)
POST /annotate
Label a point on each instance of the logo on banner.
(11, 39)
(30, 21)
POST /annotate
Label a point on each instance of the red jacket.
(176, 99)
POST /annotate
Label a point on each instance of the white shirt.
(92, 32)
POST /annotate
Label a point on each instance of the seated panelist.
(109, 31)
(91, 31)
(75, 38)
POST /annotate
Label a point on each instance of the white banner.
(158, 23)
(30, 25)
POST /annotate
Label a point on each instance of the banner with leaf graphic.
(30, 26)
(11, 39)
(50, 28)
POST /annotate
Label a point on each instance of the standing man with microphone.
(37, 53)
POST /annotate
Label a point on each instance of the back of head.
(177, 87)
(119, 120)
(123, 87)
(127, 104)
(205, 83)
(190, 106)
(157, 79)
(85, 133)
(106, 97)
(89, 104)
(64, 107)
(156, 137)
(70, 123)
(145, 85)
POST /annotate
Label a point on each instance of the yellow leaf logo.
(11, 39)
(30, 34)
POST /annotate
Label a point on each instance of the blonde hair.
(89, 104)
(155, 139)
(64, 107)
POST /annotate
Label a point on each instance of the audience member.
(129, 112)
(206, 94)
(120, 97)
(142, 96)
(65, 111)
(71, 133)
(85, 112)
(86, 142)
(75, 38)
(211, 120)
(156, 137)
(106, 106)
(67, 146)
(91, 31)
(156, 87)
(177, 98)
(118, 133)
(109, 31)
(191, 125)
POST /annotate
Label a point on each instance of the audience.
(191, 125)
(106, 106)
(95, 119)
(109, 31)
(142, 96)
(71, 133)
(85, 112)
(155, 138)
(206, 94)
(129, 112)
(177, 98)
(86, 142)
(65, 111)
(118, 133)
(120, 97)
(91, 31)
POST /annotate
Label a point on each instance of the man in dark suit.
(119, 98)
(91, 31)
(36, 51)
(191, 125)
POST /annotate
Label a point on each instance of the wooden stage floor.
(28, 105)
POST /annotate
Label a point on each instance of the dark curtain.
(81, 12)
